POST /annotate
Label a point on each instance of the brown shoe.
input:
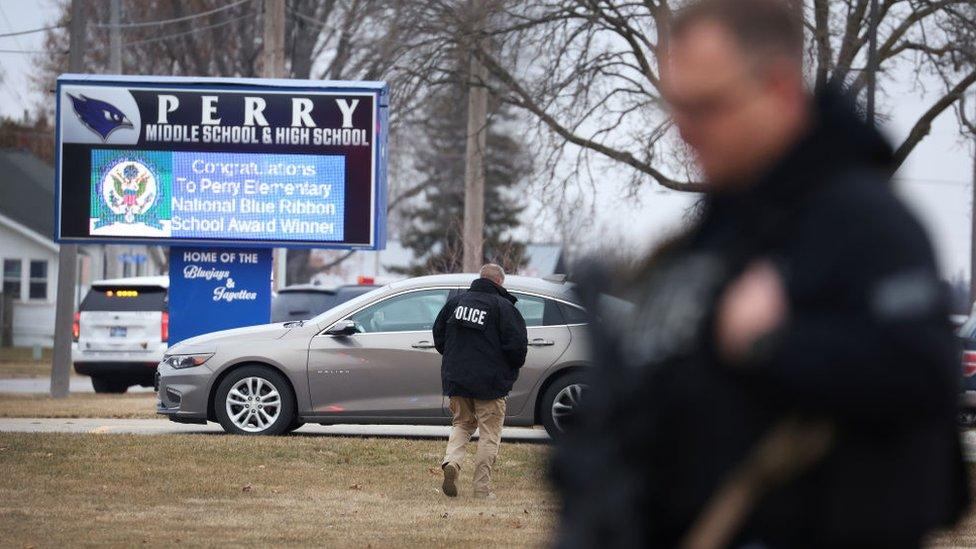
(450, 479)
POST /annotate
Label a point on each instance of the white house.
(29, 255)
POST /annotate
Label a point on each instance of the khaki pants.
(487, 416)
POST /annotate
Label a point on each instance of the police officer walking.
(483, 340)
(788, 377)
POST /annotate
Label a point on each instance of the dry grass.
(19, 362)
(123, 490)
(964, 535)
(79, 405)
(196, 490)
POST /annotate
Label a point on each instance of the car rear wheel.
(255, 400)
(560, 404)
(105, 384)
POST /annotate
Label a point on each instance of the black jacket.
(484, 342)
(867, 347)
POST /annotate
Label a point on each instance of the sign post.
(216, 166)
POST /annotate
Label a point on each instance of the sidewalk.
(42, 385)
(166, 427)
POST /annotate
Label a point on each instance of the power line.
(6, 82)
(122, 25)
(310, 19)
(147, 40)
(175, 19)
(42, 29)
(184, 33)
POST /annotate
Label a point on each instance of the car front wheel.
(561, 402)
(106, 384)
(255, 400)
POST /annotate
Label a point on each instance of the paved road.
(43, 385)
(164, 427)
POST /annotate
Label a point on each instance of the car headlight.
(186, 361)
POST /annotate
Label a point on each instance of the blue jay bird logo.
(100, 117)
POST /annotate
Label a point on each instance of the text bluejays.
(301, 110)
(470, 314)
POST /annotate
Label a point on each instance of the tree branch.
(924, 124)
(525, 101)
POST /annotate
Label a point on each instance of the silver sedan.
(369, 360)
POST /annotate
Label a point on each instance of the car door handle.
(423, 345)
(539, 342)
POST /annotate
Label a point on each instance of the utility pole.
(872, 61)
(274, 67)
(115, 37)
(67, 253)
(972, 238)
(474, 162)
(110, 252)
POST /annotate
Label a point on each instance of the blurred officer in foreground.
(788, 377)
(484, 342)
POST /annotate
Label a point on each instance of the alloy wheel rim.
(253, 404)
(566, 404)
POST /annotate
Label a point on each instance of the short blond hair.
(493, 272)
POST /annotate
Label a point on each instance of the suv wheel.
(560, 403)
(255, 400)
(105, 384)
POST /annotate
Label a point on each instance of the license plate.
(118, 331)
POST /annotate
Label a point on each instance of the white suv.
(121, 331)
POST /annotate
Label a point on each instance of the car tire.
(105, 384)
(255, 400)
(558, 403)
(295, 424)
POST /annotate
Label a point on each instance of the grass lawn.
(19, 362)
(124, 490)
(79, 405)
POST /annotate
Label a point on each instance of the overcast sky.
(935, 181)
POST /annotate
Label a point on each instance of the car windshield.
(301, 305)
(353, 303)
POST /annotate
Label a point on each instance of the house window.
(11, 277)
(38, 279)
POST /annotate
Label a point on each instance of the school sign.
(211, 161)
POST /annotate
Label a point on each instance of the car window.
(538, 311)
(354, 303)
(127, 298)
(573, 314)
(410, 312)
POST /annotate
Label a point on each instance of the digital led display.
(221, 161)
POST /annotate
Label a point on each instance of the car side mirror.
(343, 328)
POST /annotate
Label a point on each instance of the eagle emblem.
(129, 190)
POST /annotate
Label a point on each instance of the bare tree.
(324, 39)
(589, 72)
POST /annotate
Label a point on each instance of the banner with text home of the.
(221, 162)
(213, 289)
